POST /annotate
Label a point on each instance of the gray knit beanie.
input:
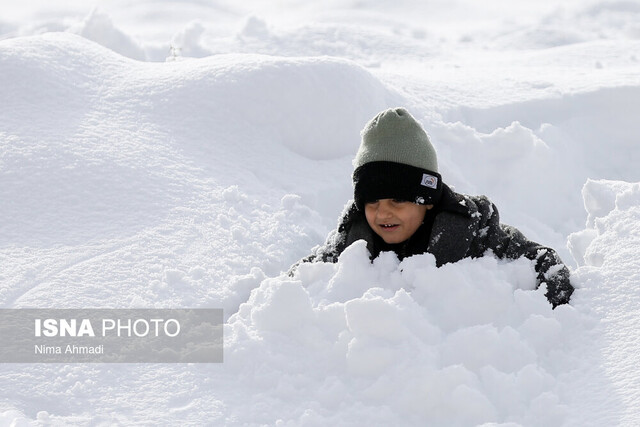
(395, 136)
(396, 160)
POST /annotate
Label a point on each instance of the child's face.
(394, 220)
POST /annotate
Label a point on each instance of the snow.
(165, 154)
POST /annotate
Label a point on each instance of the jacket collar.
(453, 202)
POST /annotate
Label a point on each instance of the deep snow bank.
(464, 344)
(179, 175)
(608, 254)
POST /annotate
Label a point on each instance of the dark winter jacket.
(460, 226)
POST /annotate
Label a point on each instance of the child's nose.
(384, 209)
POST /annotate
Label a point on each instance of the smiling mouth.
(388, 226)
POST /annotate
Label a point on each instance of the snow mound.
(575, 23)
(594, 125)
(177, 175)
(161, 129)
(98, 27)
(608, 276)
(465, 344)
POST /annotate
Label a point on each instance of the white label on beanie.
(429, 181)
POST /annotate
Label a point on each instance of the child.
(402, 205)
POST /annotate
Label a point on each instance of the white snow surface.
(184, 154)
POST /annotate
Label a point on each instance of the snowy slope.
(195, 182)
(137, 148)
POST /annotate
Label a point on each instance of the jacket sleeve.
(508, 242)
